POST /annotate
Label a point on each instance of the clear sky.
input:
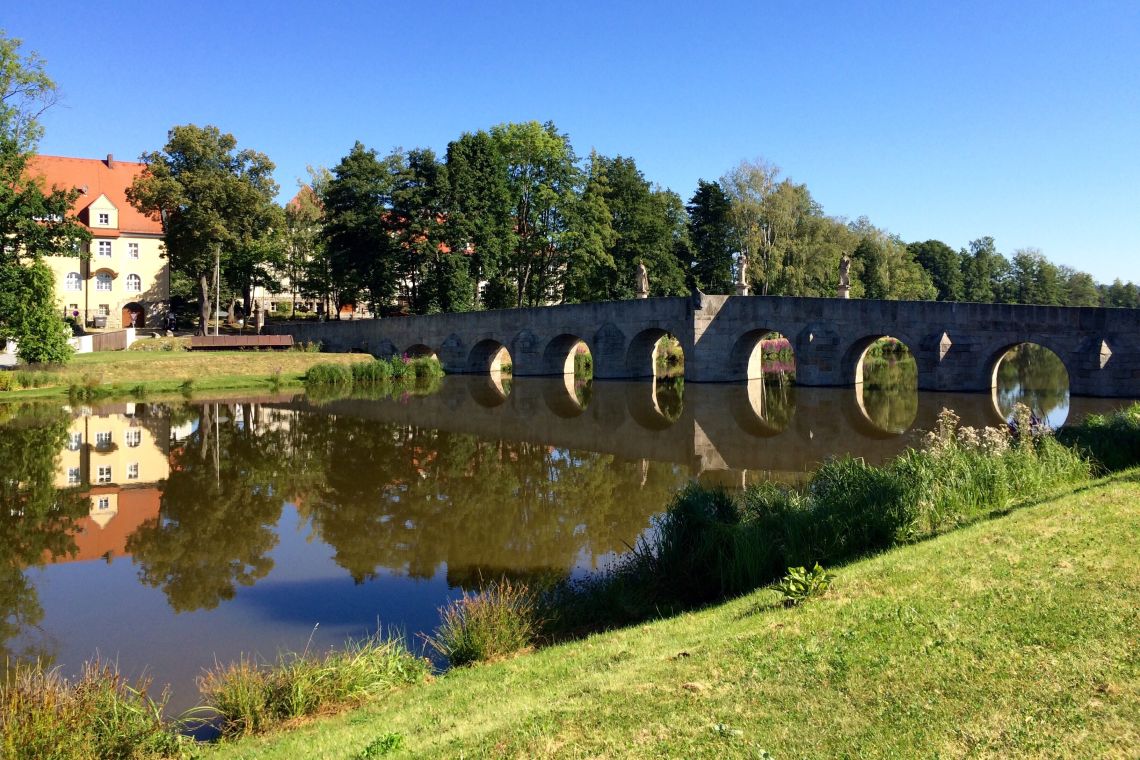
(935, 120)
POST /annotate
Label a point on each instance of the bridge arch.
(856, 354)
(642, 353)
(487, 357)
(654, 406)
(564, 398)
(420, 351)
(558, 356)
(1041, 374)
(746, 360)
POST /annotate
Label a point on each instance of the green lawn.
(1015, 637)
(123, 372)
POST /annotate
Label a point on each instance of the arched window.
(134, 283)
(72, 281)
(102, 281)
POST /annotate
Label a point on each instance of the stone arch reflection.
(763, 408)
(656, 405)
(1031, 374)
(564, 397)
(490, 390)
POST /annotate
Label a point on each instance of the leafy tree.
(214, 200)
(1034, 279)
(590, 268)
(1080, 288)
(984, 271)
(479, 213)
(944, 266)
(542, 178)
(710, 231)
(648, 225)
(357, 202)
(1120, 294)
(34, 222)
(305, 262)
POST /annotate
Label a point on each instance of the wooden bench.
(233, 342)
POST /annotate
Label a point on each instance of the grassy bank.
(1010, 637)
(131, 373)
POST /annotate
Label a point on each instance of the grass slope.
(165, 371)
(1012, 637)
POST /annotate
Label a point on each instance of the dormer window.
(104, 218)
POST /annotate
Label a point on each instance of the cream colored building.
(124, 275)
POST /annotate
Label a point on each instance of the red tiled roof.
(99, 179)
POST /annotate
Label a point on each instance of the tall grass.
(1111, 441)
(100, 715)
(498, 621)
(712, 544)
(248, 697)
(374, 372)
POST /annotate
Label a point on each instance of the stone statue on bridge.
(642, 281)
(845, 276)
(742, 276)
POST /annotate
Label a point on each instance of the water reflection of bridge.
(720, 427)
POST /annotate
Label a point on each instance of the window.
(104, 310)
(72, 281)
(134, 283)
(105, 248)
(102, 281)
(104, 474)
(133, 250)
(72, 476)
(74, 441)
(133, 471)
(104, 218)
(104, 502)
(134, 438)
(102, 440)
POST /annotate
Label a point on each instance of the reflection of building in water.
(116, 457)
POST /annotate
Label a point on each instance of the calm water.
(170, 536)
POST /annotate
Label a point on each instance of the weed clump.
(500, 620)
(100, 715)
(248, 697)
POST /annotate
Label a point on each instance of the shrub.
(1112, 441)
(326, 373)
(101, 715)
(801, 584)
(500, 620)
(161, 344)
(249, 698)
(426, 367)
(377, 371)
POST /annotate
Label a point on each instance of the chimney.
(110, 161)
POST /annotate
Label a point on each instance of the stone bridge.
(957, 345)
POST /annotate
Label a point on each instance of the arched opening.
(491, 357)
(569, 356)
(1031, 374)
(134, 315)
(763, 353)
(655, 353)
(886, 383)
(490, 390)
(420, 351)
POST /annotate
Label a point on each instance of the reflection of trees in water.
(411, 499)
(779, 402)
(218, 512)
(1035, 376)
(670, 395)
(37, 520)
(890, 387)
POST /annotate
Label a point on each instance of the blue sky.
(947, 120)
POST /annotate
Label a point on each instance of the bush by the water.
(498, 621)
(248, 697)
(373, 372)
(100, 715)
(1112, 441)
(712, 544)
